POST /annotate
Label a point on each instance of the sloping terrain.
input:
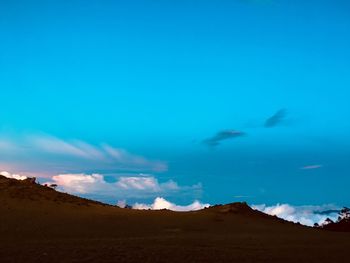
(341, 226)
(38, 224)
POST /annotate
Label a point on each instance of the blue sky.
(135, 89)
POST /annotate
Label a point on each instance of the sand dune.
(38, 224)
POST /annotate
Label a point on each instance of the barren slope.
(38, 224)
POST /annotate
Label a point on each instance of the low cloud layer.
(140, 186)
(45, 153)
(276, 119)
(161, 203)
(223, 135)
(306, 215)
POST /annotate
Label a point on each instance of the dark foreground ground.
(41, 225)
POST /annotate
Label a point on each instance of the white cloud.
(161, 203)
(306, 215)
(125, 187)
(13, 176)
(121, 203)
(80, 183)
(139, 183)
(146, 183)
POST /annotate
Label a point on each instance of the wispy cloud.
(223, 135)
(38, 153)
(53, 145)
(161, 203)
(276, 119)
(312, 167)
(306, 215)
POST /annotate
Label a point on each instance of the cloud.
(306, 215)
(123, 156)
(121, 203)
(142, 186)
(312, 167)
(223, 135)
(161, 203)
(38, 153)
(146, 183)
(80, 183)
(53, 145)
(13, 176)
(276, 119)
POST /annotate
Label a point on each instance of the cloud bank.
(141, 186)
(306, 215)
(223, 135)
(161, 203)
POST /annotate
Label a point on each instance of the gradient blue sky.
(156, 78)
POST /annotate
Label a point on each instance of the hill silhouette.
(341, 226)
(39, 224)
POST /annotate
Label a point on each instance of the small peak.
(237, 207)
(31, 180)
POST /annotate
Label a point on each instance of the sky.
(217, 101)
